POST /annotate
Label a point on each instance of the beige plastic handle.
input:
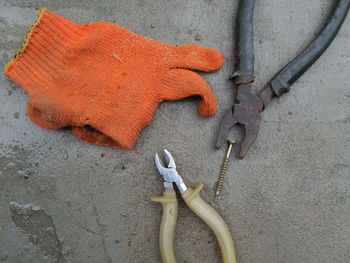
(213, 220)
(167, 225)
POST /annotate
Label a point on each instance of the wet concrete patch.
(40, 229)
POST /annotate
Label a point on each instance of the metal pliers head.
(169, 173)
(245, 112)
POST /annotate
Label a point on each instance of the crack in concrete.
(102, 232)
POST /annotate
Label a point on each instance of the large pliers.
(196, 204)
(248, 105)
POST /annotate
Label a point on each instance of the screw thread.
(222, 176)
(224, 167)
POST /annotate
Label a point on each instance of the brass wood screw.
(224, 167)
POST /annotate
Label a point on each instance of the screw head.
(231, 142)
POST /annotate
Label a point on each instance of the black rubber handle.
(289, 74)
(245, 46)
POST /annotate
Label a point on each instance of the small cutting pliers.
(196, 204)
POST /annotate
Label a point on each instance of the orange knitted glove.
(104, 76)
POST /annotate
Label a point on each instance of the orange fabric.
(105, 76)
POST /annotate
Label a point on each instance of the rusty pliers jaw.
(246, 112)
(169, 173)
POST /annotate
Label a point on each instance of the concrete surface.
(287, 201)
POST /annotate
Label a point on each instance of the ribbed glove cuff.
(45, 47)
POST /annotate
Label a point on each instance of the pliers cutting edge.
(196, 204)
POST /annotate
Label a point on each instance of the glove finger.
(195, 57)
(90, 136)
(40, 118)
(182, 83)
